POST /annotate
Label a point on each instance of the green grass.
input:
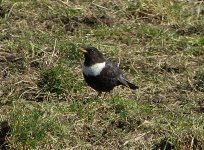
(43, 96)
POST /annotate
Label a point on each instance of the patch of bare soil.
(169, 68)
(97, 20)
(189, 30)
(199, 81)
(72, 23)
(148, 17)
(4, 132)
(3, 11)
(7, 57)
(164, 144)
(10, 61)
(191, 142)
(200, 108)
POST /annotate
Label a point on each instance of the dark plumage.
(101, 74)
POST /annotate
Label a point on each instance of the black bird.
(100, 74)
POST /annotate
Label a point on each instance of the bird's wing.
(112, 73)
(111, 70)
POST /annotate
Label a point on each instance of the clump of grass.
(50, 80)
(33, 126)
(59, 79)
(195, 47)
(201, 41)
(71, 52)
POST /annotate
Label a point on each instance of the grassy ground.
(160, 46)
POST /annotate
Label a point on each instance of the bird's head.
(92, 55)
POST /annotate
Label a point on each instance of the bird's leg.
(99, 94)
(104, 95)
(110, 95)
(107, 95)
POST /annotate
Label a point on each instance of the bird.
(100, 74)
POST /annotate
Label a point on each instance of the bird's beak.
(83, 50)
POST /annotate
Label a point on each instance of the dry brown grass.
(159, 44)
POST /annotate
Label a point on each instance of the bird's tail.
(127, 83)
(132, 86)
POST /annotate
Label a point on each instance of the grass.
(159, 45)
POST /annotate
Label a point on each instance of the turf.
(44, 99)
